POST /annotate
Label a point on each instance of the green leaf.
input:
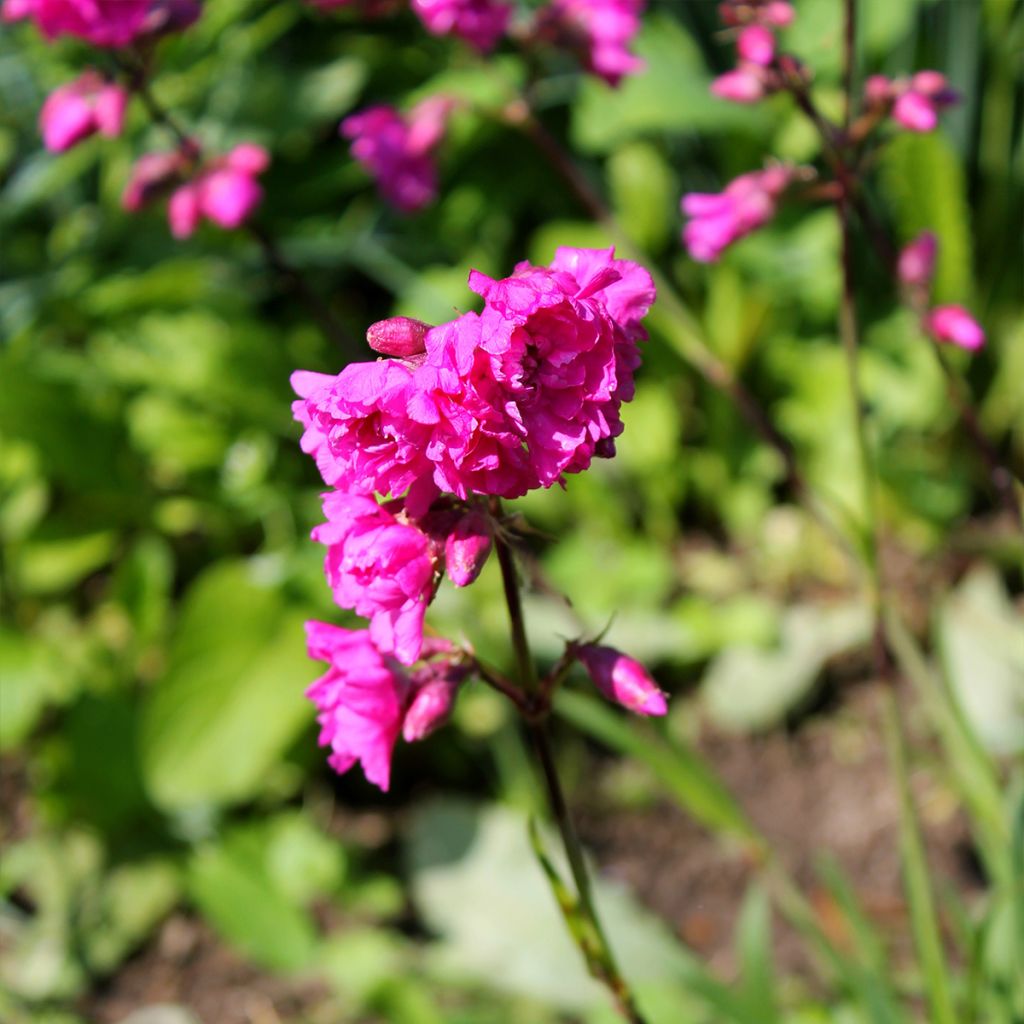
(643, 191)
(749, 687)
(29, 678)
(231, 700)
(241, 902)
(923, 180)
(754, 948)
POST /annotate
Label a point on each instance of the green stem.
(601, 960)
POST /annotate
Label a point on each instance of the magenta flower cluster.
(491, 404)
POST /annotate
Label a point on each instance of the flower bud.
(467, 548)
(433, 701)
(743, 85)
(621, 679)
(397, 336)
(877, 90)
(756, 44)
(955, 325)
(917, 260)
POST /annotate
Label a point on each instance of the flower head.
(622, 680)
(914, 103)
(398, 149)
(108, 23)
(955, 325)
(719, 219)
(81, 108)
(481, 23)
(380, 567)
(360, 700)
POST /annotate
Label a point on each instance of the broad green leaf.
(231, 699)
(643, 191)
(30, 676)
(749, 687)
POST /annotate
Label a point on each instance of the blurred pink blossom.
(224, 191)
(360, 700)
(917, 260)
(398, 149)
(745, 84)
(480, 23)
(915, 102)
(622, 680)
(600, 31)
(771, 13)
(81, 108)
(381, 568)
(756, 44)
(719, 219)
(100, 22)
(955, 325)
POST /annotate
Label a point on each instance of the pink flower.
(368, 429)
(914, 103)
(153, 174)
(499, 403)
(224, 191)
(381, 568)
(397, 150)
(745, 84)
(81, 108)
(756, 45)
(360, 700)
(599, 30)
(100, 22)
(955, 325)
(622, 680)
(467, 547)
(479, 22)
(17, 10)
(719, 219)
(917, 260)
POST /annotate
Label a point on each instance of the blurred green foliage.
(155, 508)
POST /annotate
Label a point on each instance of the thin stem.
(601, 961)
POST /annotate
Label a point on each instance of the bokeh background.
(172, 836)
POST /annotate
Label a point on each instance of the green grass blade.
(923, 919)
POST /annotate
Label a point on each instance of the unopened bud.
(467, 548)
(622, 680)
(917, 260)
(397, 336)
(756, 44)
(432, 704)
(955, 325)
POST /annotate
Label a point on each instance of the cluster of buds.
(952, 324)
(753, 25)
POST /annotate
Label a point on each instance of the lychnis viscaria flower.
(360, 700)
(720, 218)
(224, 191)
(398, 149)
(600, 31)
(81, 108)
(622, 680)
(381, 568)
(479, 22)
(500, 402)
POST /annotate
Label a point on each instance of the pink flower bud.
(756, 44)
(917, 260)
(430, 709)
(877, 90)
(467, 548)
(623, 680)
(955, 325)
(397, 336)
(915, 112)
(743, 85)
